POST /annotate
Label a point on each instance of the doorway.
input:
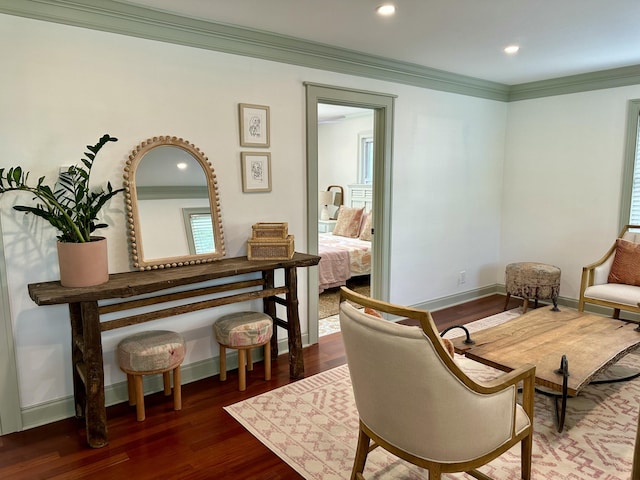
(382, 107)
(345, 180)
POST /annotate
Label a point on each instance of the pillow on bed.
(348, 224)
(365, 230)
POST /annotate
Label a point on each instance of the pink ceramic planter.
(83, 264)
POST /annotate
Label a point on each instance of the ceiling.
(558, 38)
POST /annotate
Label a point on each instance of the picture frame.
(254, 125)
(256, 171)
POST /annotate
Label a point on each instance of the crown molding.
(132, 20)
(127, 19)
(616, 77)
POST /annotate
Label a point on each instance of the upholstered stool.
(148, 353)
(532, 280)
(244, 331)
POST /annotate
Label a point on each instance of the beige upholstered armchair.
(415, 402)
(597, 285)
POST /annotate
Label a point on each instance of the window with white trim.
(365, 158)
(199, 228)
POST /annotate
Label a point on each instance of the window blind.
(634, 215)
(202, 232)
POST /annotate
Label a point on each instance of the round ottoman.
(532, 280)
(148, 353)
(243, 331)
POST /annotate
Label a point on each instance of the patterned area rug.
(312, 425)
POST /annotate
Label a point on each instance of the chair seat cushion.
(157, 350)
(615, 292)
(243, 329)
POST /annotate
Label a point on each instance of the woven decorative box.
(273, 230)
(270, 249)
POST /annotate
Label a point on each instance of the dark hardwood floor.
(199, 442)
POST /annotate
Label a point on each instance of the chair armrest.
(514, 377)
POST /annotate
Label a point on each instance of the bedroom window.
(365, 160)
(631, 177)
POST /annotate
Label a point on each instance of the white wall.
(447, 184)
(562, 180)
(63, 87)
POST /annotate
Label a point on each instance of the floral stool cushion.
(532, 280)
(243, 329)
(158, 350)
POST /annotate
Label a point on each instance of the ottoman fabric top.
(243, 329)
(532, 280)
(151, 351)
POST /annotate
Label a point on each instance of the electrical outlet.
(462, 277)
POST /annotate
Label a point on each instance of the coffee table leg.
(564, 371)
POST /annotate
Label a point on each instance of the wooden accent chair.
(415, 402)
(595, 287)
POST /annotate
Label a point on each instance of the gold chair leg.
(526, 447)
(362, 451)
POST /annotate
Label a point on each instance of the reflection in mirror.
(173, 205)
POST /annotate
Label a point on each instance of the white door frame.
(382, 104)
(10, 414)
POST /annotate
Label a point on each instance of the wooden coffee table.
(553, 340)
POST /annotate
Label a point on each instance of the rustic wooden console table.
(86, 327)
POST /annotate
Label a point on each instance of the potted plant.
(72, 207)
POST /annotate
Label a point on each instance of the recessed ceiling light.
(386, 9)
(511, 49)
(181, 165)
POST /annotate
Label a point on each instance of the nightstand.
(326, 226)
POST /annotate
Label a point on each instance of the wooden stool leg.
(166, 380)
(506, 303)
(139, 398)
(525, 305)
(177, 389)
(249, 360)
(242, 373)
(267, 361)
(131, 389)
(223, 363)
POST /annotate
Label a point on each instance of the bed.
(345, 252)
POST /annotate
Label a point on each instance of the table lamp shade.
(325, 198)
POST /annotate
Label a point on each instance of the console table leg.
(296, 360)
(269, 306)
(96, 413)
(79, 392)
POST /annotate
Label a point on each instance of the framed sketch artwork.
(254, 125)
(256, 171)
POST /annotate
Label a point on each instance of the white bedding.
(341, 258)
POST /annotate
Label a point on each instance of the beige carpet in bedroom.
(329, 299)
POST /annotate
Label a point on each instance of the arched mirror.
(173, 206)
